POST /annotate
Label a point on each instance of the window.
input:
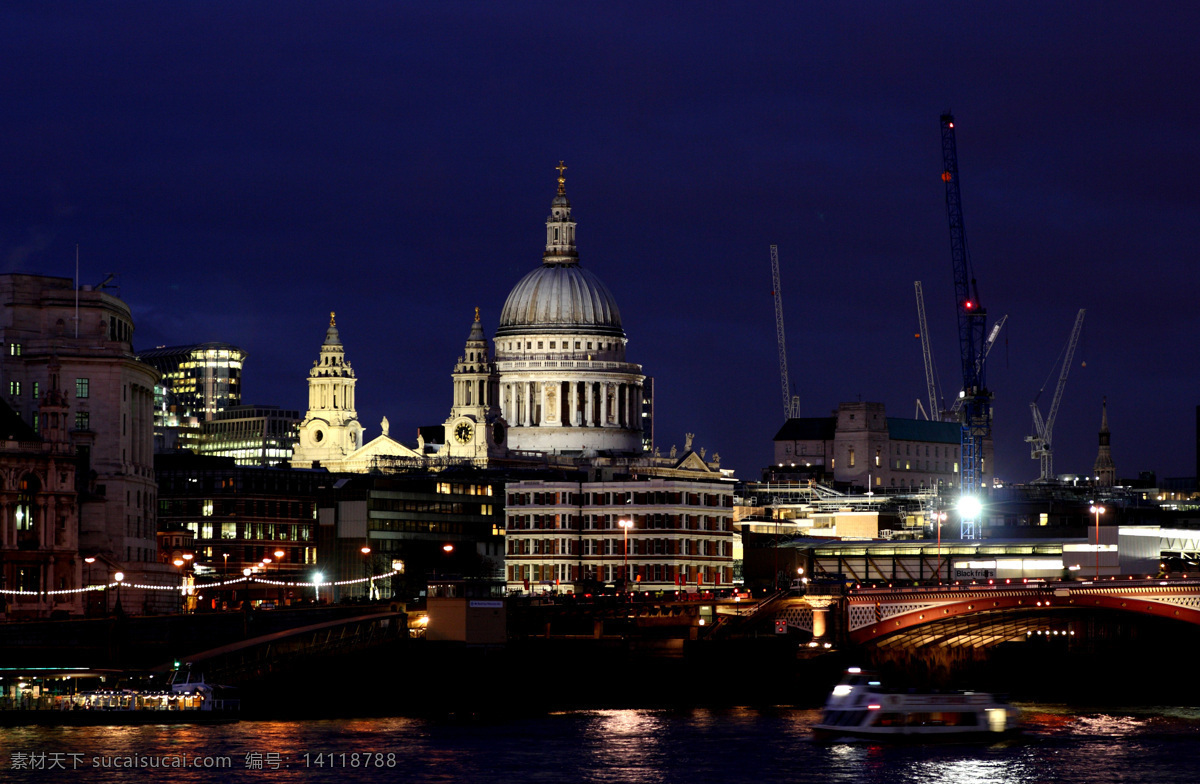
(14, 349)
(82, 420)
(35, 390)
(852, 454)
(551, 344)
(23, 514)
(14, 387)
(81, 388)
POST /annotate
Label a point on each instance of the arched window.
(23, 511)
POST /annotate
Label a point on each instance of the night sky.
(245, 168)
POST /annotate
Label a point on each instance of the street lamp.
(225, 579)
(366, 551)
(279, 572)
(1097, 510)
(940, 517)
(91, 559)
(182, 591)
(120, 578)
(625, 525)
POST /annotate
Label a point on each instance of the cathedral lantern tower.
(564, 384)
(475, 428)
(330, 431)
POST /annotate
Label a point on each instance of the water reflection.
(625, 745)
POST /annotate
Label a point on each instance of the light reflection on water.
(688, 746)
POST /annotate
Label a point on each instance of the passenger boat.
(861, 707)
(181, 702)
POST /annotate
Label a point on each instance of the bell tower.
(330, 430)
(475, 428)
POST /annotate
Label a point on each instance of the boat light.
(855, 670)
(872, 683)
(873, 707)
(841, 690)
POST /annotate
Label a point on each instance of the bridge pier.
(820, 608)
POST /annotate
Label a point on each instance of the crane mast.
(791, 403)
(976, 411)
(987, 349)
(930, 378)
(1041, 442)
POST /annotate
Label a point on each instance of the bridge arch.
(874, 615)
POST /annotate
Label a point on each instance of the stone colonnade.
(589, 403)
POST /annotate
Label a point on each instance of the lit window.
(14, 349)
(81, 388)
(14, 387)
(82, 420)
(35, 390)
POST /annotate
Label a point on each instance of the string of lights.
(218, 584)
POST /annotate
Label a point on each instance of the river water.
(695, 746)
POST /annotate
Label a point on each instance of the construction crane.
(1041, 442)
(975, 413)
(987, 349)
(935, 410)
(791, 403)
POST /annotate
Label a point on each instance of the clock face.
(462, 433)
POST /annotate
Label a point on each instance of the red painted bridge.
(983, 615)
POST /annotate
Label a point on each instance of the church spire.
(1105, 470)
(560, 229)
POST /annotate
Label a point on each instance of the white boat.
(861, 707)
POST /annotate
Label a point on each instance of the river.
(693, 746)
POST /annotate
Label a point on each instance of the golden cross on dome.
(562, 181)
(477, 313)
(332, 322)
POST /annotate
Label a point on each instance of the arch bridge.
(981, 615)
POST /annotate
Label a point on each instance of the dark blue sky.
(247, 167)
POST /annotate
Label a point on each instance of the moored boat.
(861, 707)
(182, 702)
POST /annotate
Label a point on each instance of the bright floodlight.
(318, 578)
(969, 507)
